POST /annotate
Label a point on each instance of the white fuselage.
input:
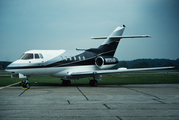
(57, 63)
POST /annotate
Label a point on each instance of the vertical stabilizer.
(117, 32)
(109, 46)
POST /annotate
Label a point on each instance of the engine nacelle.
(106, 62)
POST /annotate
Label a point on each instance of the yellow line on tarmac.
(10, 85)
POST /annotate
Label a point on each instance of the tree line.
(4, 64)
(145, 63)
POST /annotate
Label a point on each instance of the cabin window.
(83, 57)
(79, 57)
(27, 56)
(41, 56)
(37, 56)
(74, 58)
(62, 57)
(70, 58)
(66, 58)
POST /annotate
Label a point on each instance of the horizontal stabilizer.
(120, 37)
(80, 49)
(104, 37)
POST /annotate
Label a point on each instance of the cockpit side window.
(37, 56)
(41, 56)
(22, 56)
(27, 56)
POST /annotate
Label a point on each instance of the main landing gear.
(93, 82)
(26, 84)
(66, 82)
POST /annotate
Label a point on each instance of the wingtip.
(148, 36)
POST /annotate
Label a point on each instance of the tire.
(66, 82)
(93, 82)
(28, 85)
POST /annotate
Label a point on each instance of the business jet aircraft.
(71, 65)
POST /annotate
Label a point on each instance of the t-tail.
(109, 46)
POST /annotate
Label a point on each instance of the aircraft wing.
(119, 70)
(120, 37)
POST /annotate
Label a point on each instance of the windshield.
(27, 56)
(21, 56)
(41, 56)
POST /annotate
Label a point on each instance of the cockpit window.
(36, 56)
(21, 56)
(27, 56)
(41, 56)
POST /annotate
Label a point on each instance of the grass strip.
(112, 79)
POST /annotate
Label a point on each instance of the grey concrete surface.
(124, 102)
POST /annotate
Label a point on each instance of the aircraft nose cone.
(7, 69)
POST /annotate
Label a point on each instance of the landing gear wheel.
(26, 84)
(93, 83)
(66, 82)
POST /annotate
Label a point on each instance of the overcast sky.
(69, 24)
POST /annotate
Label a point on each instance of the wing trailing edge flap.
(119, 70)
(120, 37)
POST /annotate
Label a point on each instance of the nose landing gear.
(26, 84)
